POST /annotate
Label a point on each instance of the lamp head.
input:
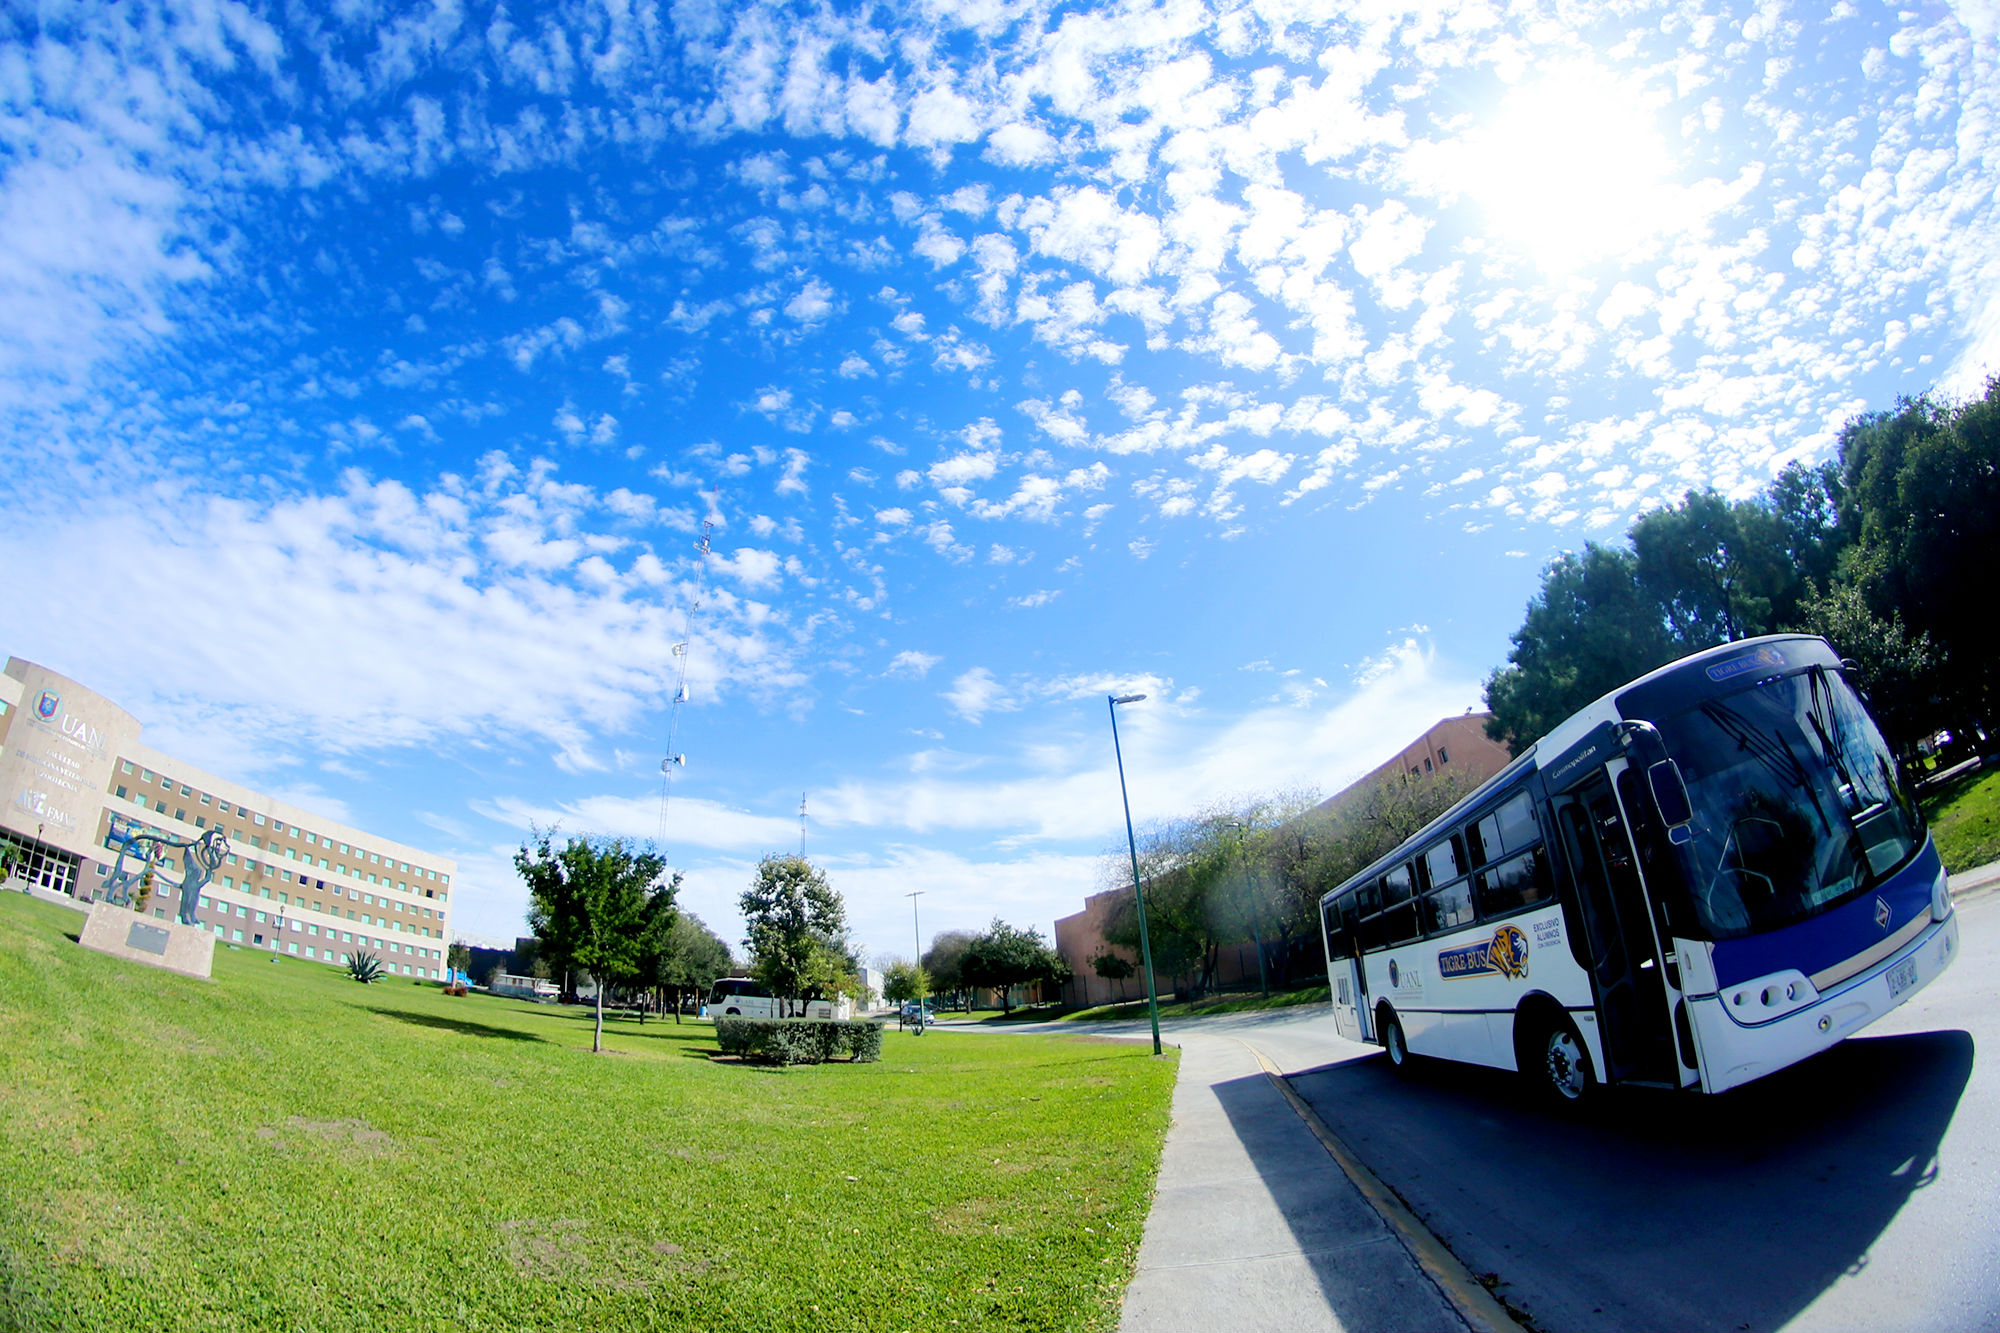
(1128, 698)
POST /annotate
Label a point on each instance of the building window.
(124, 765)
(1443, 758)
(201, 821)
(204, 798)
(1427, 763)
(181, 815)
(123, 794)
(257, 819)
(236, 935)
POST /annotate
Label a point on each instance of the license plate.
(1902, 977)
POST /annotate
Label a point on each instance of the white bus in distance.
(1708, 874)
(747, 997)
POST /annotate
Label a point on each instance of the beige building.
(1451, 746)
(72, 765)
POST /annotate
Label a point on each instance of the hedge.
(799, 1041)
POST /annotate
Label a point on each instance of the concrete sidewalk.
(1256, 1226)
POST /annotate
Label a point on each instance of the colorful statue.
(199, 859)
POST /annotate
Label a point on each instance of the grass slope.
(282, 1148)
(1966, 823)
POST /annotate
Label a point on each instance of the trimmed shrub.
(799, 1041)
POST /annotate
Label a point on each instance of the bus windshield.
(1797, 806)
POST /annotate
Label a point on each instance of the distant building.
(1452, 746)
(71, 762)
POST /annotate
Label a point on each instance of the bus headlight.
(1941, 898)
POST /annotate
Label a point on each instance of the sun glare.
(1570, 169)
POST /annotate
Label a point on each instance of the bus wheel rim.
(1566, 1069)
(1397, 1051)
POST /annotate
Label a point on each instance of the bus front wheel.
(1559, 1066)
(1392, 1041)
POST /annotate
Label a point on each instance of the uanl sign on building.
(77, 780)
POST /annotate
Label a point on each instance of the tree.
(905, 980)
(1007, 956)
(797, 930)
(684, 956)
(590, 903)
(1590, 629)
(1924, 482)
(1895, 671)
(945, 961)
(1111, 966)
(459, 956)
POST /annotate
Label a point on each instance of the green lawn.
(282, 1148)
(1966, 823)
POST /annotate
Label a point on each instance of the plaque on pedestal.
(118, 930)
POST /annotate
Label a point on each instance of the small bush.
(799, 1041)
(364, 967)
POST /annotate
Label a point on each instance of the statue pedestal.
(123, 933)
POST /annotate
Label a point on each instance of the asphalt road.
(1859, 1190)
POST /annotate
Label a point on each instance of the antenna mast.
(675, 759)
(802, 826)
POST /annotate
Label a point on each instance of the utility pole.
(802, 826)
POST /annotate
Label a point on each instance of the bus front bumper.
(1733, 1052)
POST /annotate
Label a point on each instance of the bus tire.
(1393, 1042)
(1557, 1063)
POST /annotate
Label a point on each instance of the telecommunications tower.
(675, 759)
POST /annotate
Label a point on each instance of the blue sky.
(368, 372)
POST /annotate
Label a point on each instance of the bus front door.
(1346, 979)
(1617, 942)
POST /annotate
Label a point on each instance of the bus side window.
(1516, 883)
(1367, 905)
(1399, 911)
(1449, 907)
(1336, 936)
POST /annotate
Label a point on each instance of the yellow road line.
(1474, 1303)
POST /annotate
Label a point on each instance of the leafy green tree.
(905, 980)
(797, 930)
(945, 961)
(684, 957)
(1897, 672)
(1007, 956)
(1924, 482)
(1591, 628)
(459, 956)
(590, 903)
(1717, 569)
(1111, 966)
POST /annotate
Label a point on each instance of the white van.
(747, 997)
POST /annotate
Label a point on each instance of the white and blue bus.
(1705, 876)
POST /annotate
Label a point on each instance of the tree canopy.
(1882, 552)
(1006, 956)
(591, 902)
(798, 931)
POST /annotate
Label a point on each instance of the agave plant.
(364, 967)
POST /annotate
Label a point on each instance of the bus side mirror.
(1670, 793)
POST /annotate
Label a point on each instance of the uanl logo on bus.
(1506, 953)
(1763, 657)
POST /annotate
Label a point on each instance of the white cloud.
(912, 664)
(976, 693)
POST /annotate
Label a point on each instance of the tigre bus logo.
(48, 705)
(1506, 953)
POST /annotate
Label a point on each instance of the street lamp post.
(1132, 844)
(917, 932)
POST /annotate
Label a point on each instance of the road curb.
(1474, 1303)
